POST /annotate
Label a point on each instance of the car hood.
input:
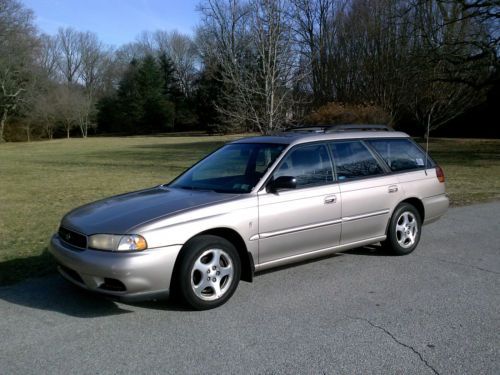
(121, 213)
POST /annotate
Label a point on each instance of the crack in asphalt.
(462, 264)
(422, 359)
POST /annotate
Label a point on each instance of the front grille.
(73, 238)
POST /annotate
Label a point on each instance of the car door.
(369, 193)
(304, 219)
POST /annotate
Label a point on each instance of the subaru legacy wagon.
(254, 204)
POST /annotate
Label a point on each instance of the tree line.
(255, 65)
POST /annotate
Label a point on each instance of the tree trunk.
(67, 132)
(3, 120)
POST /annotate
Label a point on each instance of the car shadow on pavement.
(171, 304)
(297, 264)
(371, 250)
(53, 293)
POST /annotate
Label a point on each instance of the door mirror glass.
(282, 183)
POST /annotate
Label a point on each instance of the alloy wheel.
(212, 274)
(406, 229)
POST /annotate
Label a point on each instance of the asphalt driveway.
(434, 311)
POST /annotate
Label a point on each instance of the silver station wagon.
(254, 204)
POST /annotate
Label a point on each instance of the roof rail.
(338, 128)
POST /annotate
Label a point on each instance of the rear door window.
(353, 160)
(399, 154)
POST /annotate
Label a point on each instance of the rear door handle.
(330, 199)
(393, 188)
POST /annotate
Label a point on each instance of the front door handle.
(393, 188)
(330, 199)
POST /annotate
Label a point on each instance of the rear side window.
(399, 154)
(354, 160)
(310, 165)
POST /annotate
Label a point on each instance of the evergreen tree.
(140, 105)
(171, 87)
(185, 115)
(156, 113)
(209, 94)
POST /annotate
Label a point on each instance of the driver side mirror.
(282, 183)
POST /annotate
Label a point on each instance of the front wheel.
(404, 230)
(209, 272)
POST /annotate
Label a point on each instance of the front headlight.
(113, 242)
(132, 242)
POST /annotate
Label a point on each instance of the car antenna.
(427, 145)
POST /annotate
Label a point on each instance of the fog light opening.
(113, 285)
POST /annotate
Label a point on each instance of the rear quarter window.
(354, 160)
(400, 154)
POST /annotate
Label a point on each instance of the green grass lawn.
(41, 181)
(471, 167)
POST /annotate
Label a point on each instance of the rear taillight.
(440, 174)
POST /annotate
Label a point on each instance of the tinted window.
(234, 168)
(310, 165)
(399, 154)
(353, 159)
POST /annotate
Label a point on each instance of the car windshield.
(234, 168)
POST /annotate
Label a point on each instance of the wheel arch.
(247, 262)
(418, 204)
(415, 202)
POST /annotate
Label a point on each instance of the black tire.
(212, 261)
(403, 235)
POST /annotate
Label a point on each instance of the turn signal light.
(440, 174)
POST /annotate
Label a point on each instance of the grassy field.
(41, 181)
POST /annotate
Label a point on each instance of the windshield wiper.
(196, 188)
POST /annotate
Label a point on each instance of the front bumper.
(126, 276)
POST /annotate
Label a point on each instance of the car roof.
(292, 137)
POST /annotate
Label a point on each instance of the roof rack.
(338, 128)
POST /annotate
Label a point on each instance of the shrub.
(344, 113)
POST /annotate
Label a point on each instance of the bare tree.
(315, 27)
(464, 34)
(223, 39)
(253, 44)
(43, 114)
(84, 64)
(179, 48)
(48, 55)
(95, 68)
(93, 62)
(70, 58)
(278, 61)
(17, 43)
(11, 95)
(84, 111)
(372, 58)
(67, 102)
(183, 53)
(434, 103)
(444, 89)
(399, 54)
(146, 43)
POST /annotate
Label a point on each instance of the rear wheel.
(209, 272)
(404, 230)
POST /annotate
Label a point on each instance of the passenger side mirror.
(281, 183)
